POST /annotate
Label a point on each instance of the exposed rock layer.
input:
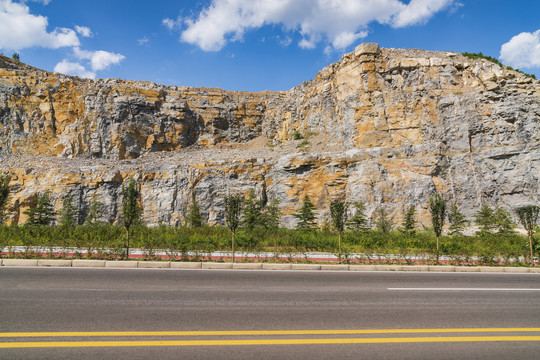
(387, 127)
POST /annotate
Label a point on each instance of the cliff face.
(384, 126)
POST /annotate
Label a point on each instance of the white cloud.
(419, 12)
(70, 68)
(143, 41)
(99, 60)
(170, 23)
(339, 22)
(84, 31)
(522, 51)
(19, 29)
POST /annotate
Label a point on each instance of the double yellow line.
(233, 342)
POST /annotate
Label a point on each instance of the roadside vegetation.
(253, 226)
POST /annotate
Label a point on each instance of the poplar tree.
(437, 208)
(338, 213)
(233, 208)
(528, 217)
(131, 211)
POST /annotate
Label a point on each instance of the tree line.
(250, 213)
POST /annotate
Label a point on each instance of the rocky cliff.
(384, 126)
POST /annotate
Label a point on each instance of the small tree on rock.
(359, 221)
(306, 215)
(338, 213)
(272, 215)
(503, 221)
(409, 223)
(94, 212)
(383, 221)
(437, 208)
(41, 211)
(194, 218)
(485, 219)
(233, 208)
(251, 211)
(4, 196)
(16, 56)
(68, 214)
(131, 211)
(528, 217)
(457, 220)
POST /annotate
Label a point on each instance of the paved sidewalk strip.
(126, 264)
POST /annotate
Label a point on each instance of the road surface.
(55, 313)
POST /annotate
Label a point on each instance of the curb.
(126, 264)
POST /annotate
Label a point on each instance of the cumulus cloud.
(99, 60)
(523, 50)
(339, 22)
(84, 31)
(70, 68)
(19, 29)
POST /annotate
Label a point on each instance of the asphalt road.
(65, 301)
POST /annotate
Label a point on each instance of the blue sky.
(254, 45)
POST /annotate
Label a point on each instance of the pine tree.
(131, 211)
(409, 223)
(41, 211)
(4, 196)
(359, 221)
(272, 215)
(457, 220)
(194, 218)
(16, 56)
(233, 208)
(503, 221)
(68, 214)
(485, 219)
(383, 221)
(94, 212)
(306, 216)
(251, 211)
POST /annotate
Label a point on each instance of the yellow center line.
(259, 332)
(67, 344)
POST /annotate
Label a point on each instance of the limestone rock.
(388, 127)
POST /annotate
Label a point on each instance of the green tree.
(457, 220)
(94, 212)
(194, 218)
(338, 213)
(409, 223)
(251, 211)
(306, 216)
(359, 221)
(485, 219)
(528, 217)
(271, 215)
(4, 196)
(233, 208)
(437, 208)
(131, 210)
(41, 211)
(503, 221)
(16, 56)
(383, 221)
(69, 213)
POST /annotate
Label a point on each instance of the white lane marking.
(461, 289)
